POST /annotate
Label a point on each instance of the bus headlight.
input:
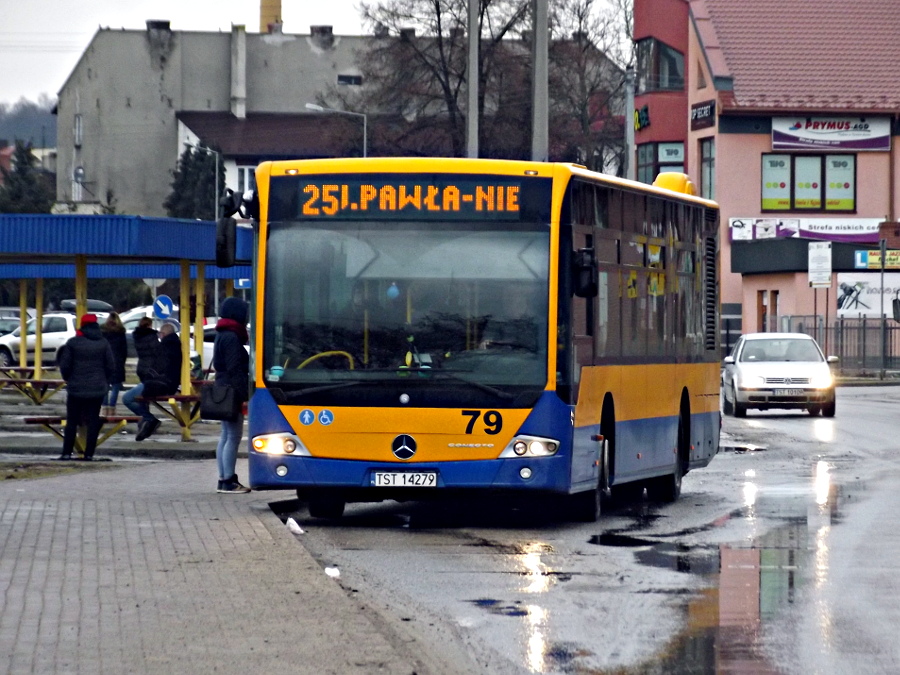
(279, 444)
(530, 446)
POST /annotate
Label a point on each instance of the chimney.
(269, 13)
(322, 36)
(407, 34)
(239, 71)
(153, 25)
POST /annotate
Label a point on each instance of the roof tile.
(816, 55)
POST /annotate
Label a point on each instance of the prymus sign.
(831, 133)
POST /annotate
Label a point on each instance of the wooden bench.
(36, 391)
(110, 425)
(183, 408)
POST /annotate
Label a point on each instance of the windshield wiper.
(298, 393)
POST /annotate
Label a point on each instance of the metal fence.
(864, 346)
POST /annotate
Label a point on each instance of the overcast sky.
(41, 40)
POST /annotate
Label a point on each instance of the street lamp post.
(319, 108)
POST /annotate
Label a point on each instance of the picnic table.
(27, 372)
(35, 390)
(110, 425)
(183, 408)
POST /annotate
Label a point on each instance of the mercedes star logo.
(788, 380)
(404, 446)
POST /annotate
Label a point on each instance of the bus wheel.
(668, 488)
(326, 507)
(584, 507)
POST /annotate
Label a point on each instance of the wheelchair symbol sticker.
(325, 418)
(307, 417)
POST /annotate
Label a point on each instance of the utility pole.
(540, 112)
(630, 172)
(472, 80)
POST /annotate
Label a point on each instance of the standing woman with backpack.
(232, 364)
(114, 332)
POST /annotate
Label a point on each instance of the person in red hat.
(87, 365)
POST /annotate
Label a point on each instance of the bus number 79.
(492, 419)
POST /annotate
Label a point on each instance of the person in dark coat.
(162, 378)
(146, 344)
(114, 332)
(232, 364)
(87, 365)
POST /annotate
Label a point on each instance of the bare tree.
(415, 79)
(587, 85)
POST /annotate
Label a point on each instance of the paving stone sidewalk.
(145, 569)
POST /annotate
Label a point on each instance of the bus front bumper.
(283, 472)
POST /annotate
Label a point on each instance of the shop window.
(659, 67)
(657, 158)
(708, 168)
(808, 182)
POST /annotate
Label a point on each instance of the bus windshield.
(445, 312)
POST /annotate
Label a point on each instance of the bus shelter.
(34, 247)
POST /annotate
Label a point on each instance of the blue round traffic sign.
(163, 307)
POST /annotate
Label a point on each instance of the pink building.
(785, 113)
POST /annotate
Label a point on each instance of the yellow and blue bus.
(431, 327)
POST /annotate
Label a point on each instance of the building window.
(656, 158)
(246, 178)
(808, 182)
(659, 67)
(708, 168)
(77, 130)
(355, 80)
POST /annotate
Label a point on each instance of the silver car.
(778, 370)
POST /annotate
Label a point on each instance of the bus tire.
(667, 489)
(326, 507)
(586, 507)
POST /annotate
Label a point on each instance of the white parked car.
(778, 370)
(56, 328)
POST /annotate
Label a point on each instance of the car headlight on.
(279, 444)
(821, 380)
(530, 446)
(752, 382)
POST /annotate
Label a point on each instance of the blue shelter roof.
(45, 238)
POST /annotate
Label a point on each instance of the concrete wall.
(129, 85)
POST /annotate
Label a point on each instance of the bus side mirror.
(896, 304)
(245, 205)
(584, 273)
(226, 242)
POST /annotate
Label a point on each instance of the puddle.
(749, 584)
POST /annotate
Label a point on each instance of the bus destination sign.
(450, 197)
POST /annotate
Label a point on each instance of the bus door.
(582, 320)
(583, 315)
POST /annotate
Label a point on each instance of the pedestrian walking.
(87, 365)
(114, 332)
(232, 364)
(161, 378)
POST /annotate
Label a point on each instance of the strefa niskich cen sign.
(831, 133)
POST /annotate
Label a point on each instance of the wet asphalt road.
(780, 557)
